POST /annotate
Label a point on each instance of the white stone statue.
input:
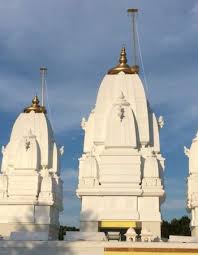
(61, 150)
(146, 235)
(161, 121)
(131, 235)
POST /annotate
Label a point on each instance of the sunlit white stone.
(121, 169)
(192, 183)
(30, 184)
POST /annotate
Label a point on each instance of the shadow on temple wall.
(37, 248)
(12, 247)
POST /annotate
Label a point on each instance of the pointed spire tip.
(122, 66)
(35, 107)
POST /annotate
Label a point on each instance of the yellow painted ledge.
(118, 224)
(149, 251)
(146, 253)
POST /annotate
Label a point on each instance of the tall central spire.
(121, 168)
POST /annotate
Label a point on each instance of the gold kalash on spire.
(35, 106)
(122, 66)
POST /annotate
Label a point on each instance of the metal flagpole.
(133, 12)
(43, 72)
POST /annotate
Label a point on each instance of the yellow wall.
(149, 251)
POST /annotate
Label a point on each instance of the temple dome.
(143, 121)
(30, 173)
(39, 126)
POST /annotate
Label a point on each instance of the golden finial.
(122, 66)
(35, 102)
(123, 58)
(35, 107)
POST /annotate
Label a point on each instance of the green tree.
(180, 227)
(63, 229)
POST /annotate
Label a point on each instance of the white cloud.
(174, 204)
(172, 39)
(70, 177)
(195, 8)
(69, 174)
(71, 203)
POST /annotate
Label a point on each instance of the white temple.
(192, 185)
(30, 184)
(121, 169)
(120, 179)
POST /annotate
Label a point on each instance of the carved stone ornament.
(83, 123)
(161, 122)
(186, 151)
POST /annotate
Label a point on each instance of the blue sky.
(78, 41)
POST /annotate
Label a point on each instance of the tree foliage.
(179, 227)
(63, 229)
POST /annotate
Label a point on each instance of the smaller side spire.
(122, 66)
(35, 107)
